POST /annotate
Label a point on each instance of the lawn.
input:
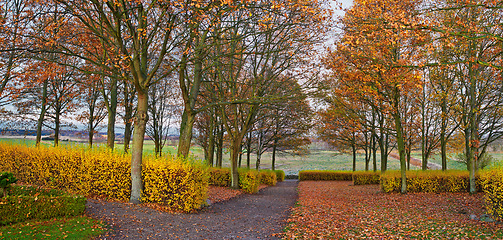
(339, 210)
(59, 228)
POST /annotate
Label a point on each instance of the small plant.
(6, 179)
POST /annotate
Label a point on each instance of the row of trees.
(416, 74)
(241, 66)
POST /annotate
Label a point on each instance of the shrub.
(492, 184)
(366, 178)
(220, 177)
(268, 177)
(249, 180)
(325, 175)
(280, 174)
(6, 179)
(31, 203)
(101, 172)
(177, 184)
(426, 181)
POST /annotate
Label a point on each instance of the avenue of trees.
(416, 74)
(234, 74)
(243, 76)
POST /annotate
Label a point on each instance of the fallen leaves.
(339, 210)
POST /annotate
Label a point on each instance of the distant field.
(291, 164)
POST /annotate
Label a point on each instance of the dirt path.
(248, 216)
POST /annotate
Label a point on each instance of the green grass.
(81, 227)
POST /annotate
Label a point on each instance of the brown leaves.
(339, 210)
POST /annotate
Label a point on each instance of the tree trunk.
(236, 144)
(220, 145)
(140, 123)
(424, 160)
(209, 151)
(128, 129)
(248, 150)
(473, 143)
(353, 147)
(188, 118)
(273, 161)
(57, 125)
(259, 157)
(43, 109)
(112, 113)
(443, 130)
(401, 150)
(374, 153)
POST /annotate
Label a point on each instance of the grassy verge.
(80, 227)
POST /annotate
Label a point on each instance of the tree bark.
(112, 113)
(137, 151)
(273, 161)
(401, 150)
(188, 118)
(43, 110)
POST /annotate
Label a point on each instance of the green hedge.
(426, 181)
(366, 178)
(26, 203)
(325, 175)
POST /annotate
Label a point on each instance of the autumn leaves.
(385, 78)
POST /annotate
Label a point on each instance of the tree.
(372, 55)
(140, 34)
(164, 107)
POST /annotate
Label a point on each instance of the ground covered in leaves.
(231, 215)
(339, 210)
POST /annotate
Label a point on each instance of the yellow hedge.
(268, 177)
(220, 177)
(101, 172)
(426, 181)
(366, 178)
(492, 185)
(249, 180)
(325, 175)
(178, 184)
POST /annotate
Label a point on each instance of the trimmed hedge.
(492, 184)
(249, 179)
(426, 181)
(26, 203)
(325, 175)
(178, 184)
(268, 177)
(100, 172)
(366, 178)
(220, 177)
(280, 175)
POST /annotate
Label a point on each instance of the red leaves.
(339, 210)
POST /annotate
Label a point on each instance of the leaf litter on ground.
(339, 210)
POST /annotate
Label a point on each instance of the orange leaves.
(338, 210)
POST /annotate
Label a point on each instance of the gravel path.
(248, 216)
